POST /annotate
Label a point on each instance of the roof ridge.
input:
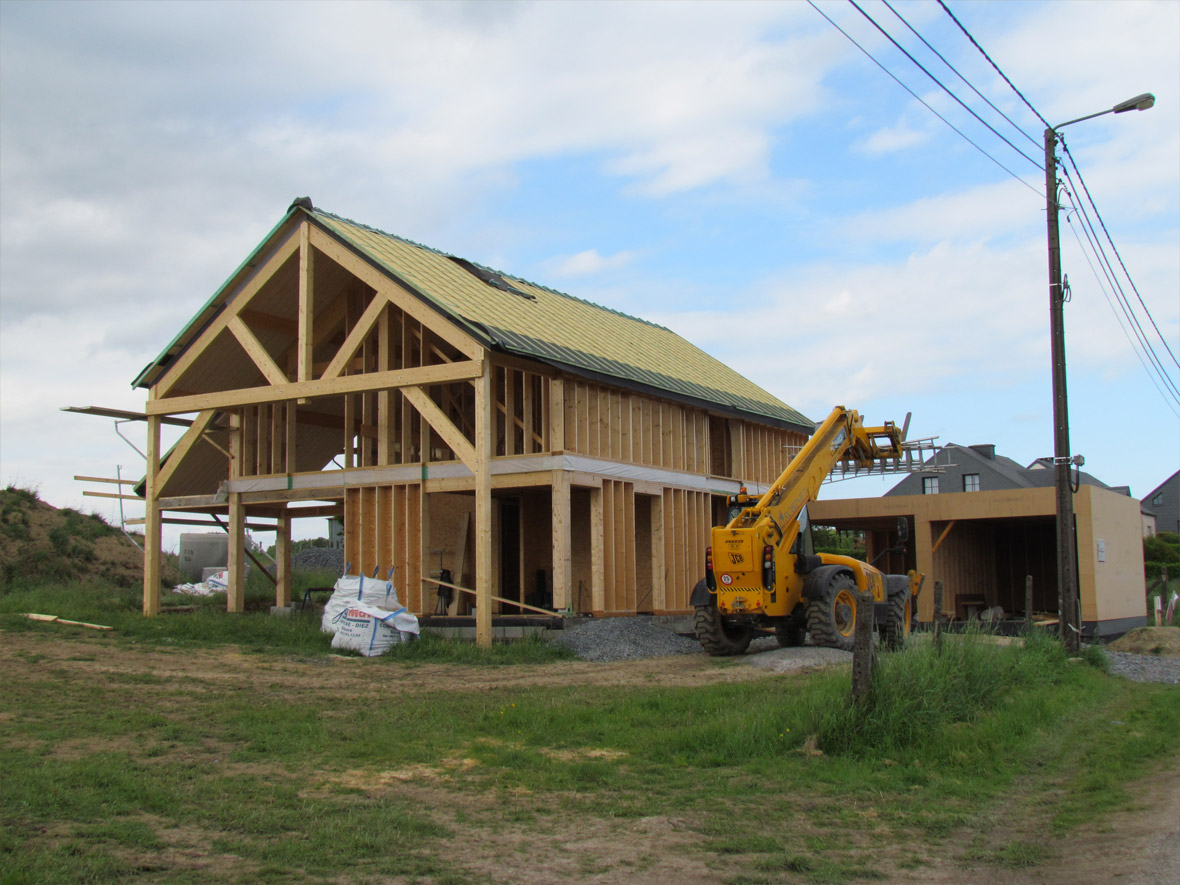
(527, 282)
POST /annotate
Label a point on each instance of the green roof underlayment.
(518, 317)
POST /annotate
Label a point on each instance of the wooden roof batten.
(454, 304)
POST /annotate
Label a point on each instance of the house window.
(1157, 498)
(970, 482)
(929, 485)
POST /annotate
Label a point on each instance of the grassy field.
(202, 746)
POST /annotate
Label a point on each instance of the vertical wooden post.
(1028, 603)
(562, 540)
(556, 414)
(483, 506)
(938, 617)
(304, 359)
(152, 540)
(862, 648)
(597, 552)
(235, 593)
(283, 560)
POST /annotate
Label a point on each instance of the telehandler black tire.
(896, 628)
(790, 634)
(831, 617)
(716, 637)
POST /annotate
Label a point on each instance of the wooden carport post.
(483, 506)
(152, 540)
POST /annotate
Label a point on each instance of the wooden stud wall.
(383, 529)
(619, 547)
(686, 525)
(619, 425)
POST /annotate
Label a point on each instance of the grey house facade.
(1164, 502)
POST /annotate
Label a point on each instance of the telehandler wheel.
(716, 637)
(831, 618)
(896, 628)
(790, 634)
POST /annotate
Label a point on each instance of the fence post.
(862, 648)
(1028, 609)
(938, 617)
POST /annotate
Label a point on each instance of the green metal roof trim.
(528, 320)
(544, 324)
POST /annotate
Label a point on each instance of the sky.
(738, 172)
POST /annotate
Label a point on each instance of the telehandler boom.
(761, 570)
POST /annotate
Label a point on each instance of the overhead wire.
(957, 73)
(974, 43)
(942, 85)
(1119, 320)
(917, 97)
(1114, 248)
(1121, 296)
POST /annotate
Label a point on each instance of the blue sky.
(738, 172)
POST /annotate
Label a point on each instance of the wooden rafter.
(288, 247)
(306, 305)
(409, 303)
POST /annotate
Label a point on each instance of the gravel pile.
(1144, 668)
(319, 558)
(622, 639)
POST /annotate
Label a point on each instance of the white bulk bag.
(371, 630)
(358, 588)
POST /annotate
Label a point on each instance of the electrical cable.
(1119, 319)
(1098, 214)
(1121, 296)
(970, 85)
(869, 55)
(993, 64)
(943, 86)
(1145, 345)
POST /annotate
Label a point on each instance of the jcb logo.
(736, 559)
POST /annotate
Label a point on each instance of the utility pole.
(1067, 587)
(1067, 576)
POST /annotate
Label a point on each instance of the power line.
(1120, 295)
(993, 64)
(942, 86)
(1119, 320)
(970, 85)
(1098, 215)
(922, 101)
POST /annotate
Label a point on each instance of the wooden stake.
(938, 617)
(862, 649)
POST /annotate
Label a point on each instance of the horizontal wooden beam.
(122, 415)
(122, 482)
(249, 396)
(91, 494)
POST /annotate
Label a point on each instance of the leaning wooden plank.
(516, 602)
(54, 619)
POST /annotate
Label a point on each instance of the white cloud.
(588, 262)
(894, 138)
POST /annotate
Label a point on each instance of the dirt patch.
(1150, 641)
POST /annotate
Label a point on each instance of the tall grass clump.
(918, 695)
(433, 648)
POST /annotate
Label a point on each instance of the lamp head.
(1138, 103)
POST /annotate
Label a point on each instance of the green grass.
(296, 767)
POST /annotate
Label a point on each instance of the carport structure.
(984, 545)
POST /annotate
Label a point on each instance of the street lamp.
(1067, 586)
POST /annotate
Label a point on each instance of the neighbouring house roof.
(1164, 501)
(512, 315)
(995, 472)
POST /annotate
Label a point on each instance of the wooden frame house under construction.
(549, 453)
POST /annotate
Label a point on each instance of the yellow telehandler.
(761, 570)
